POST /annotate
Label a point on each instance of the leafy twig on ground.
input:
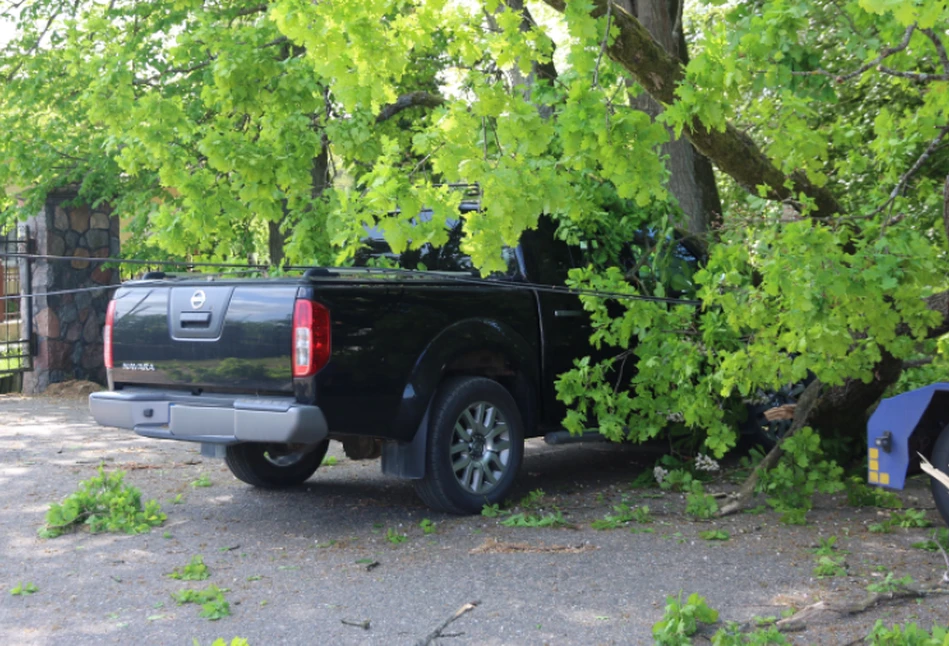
(195, 570)
(23, 589)
(103, 503)
(554, 519)
(212, 601)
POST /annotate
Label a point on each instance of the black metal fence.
(15, 324)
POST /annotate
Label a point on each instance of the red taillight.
(107, 334)
(311, 338)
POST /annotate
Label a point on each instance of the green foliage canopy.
(236, 117)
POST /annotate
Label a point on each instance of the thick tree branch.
(248, 11)
(409, 100)
(731, 150)
(541, 70)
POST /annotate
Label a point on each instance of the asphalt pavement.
(344, 559)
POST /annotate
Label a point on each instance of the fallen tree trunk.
(842, 409)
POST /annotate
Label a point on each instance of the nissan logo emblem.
(197, 299)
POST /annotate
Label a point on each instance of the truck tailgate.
(200, 335)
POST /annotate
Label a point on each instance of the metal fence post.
(26, 291)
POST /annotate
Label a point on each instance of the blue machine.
(888, 432)
(914, 421)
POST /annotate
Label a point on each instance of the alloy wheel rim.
(480, 448)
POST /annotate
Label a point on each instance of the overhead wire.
(337, 271)
(130, 261)
(60, 292)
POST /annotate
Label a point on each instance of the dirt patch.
(73, 389)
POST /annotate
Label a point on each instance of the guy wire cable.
(513, 284)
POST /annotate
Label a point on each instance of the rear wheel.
(475, 446)
(274, 466)
(940, 460)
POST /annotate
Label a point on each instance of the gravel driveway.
(315, 565)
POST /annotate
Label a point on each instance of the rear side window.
(548, 258)
(448, 257)
(648, 259)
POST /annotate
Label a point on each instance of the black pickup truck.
(441, 374)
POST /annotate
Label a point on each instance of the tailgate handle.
(195, 319)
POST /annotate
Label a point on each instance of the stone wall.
(67, 328)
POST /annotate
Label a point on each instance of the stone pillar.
(67, 328)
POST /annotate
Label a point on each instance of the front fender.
(457, 340)
(891, 426)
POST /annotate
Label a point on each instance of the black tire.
(940, 460)
(274, 466)
(476, 419)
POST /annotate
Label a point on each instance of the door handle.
(195, 319)
(560, 314)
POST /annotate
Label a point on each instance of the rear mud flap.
(407, 459)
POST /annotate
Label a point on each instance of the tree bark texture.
(842, 409)
(691, 179)
(277, 233)
(276, 238)
(409, 100)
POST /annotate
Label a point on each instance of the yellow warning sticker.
(874, 454)
(874, 476)
(885, 478)
(874, 465)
